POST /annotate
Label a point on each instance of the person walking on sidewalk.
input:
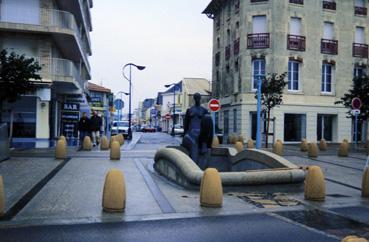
(83, 127)
(96, 123)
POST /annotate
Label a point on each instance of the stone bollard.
(232, 139)
(250, 144)
(87, 144)
(314, 188)
(304, 146)
(2, 197)
(365, 183)
(278, 148)
(323, 145)
(343, 150)
(313, 150)
(241, 139)
(120, 139)
(112, 139)
(62, 137)
(114, 193)
(215, 142)
(211, 189)
(104, 143)
(238, 146)
(61, 150)
(366, 144)
(353, 238)
(115, 151)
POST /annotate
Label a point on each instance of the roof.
(213, 7)
(96, 88)
(194, 85)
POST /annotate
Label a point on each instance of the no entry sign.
(356, 103)
(214, 105)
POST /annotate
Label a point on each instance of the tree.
(360, 89)
(271, 95)
(18, 74)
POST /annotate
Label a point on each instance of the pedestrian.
(83, 127)
(95, 126)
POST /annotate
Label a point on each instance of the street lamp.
(140, 68)
(174, 104)
(258, 124)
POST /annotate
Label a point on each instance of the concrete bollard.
(314, 188)
(2, 197)
(304, 146)
(215, 142)
(313, 150)
(241, 139)
(343, 150)
(250, 144)
(62, 137)
(323, 145)
(61, 150)
(112, 139)
(232, 139)
(87, 144)
(365, 183)
(104, 143)
(238, 146)
(278, 148)
(115, 151)
(279, 141)
(120, 139)
(353, 238)
(114, 193)
(211, 189)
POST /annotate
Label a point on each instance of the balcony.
(236, 47)
(296, 42)
(360, 50)
(297, 1)
(329, 5)
(258, 41)
(237, 7)
(61, 25)
(360, 11)
(328, 46)
(228, 52)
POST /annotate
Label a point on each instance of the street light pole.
(258, 128)
(140, 68)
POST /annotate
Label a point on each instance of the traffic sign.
(355, 112)
(167, 116)
(119, 104)
(214, 105)
(356, 103)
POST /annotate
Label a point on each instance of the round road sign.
(214, 105)
(119, 104)
(356, 103)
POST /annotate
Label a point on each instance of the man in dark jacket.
(96, 123)
(83, 127)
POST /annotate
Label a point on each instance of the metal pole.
(174, 108)
(258, 135)
(356, 130)
(130, 99)
(213, 117)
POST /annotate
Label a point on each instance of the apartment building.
(321, 44)
(57, 34)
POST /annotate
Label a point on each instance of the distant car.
(178, 129)
(148, 129)
(120, 127)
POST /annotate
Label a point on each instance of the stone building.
(57, 34)
(321, 44)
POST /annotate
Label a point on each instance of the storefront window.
(294, 127)
(325, 127)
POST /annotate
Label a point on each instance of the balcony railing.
(228, 52)
(258, 41)
(296, 42)
(328, 46)
(329, 5)
(45, 18)
(360, 50)
(236, 47)
(360, 11)
(297, 1)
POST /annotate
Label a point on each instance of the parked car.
(178, 129)
(148, 129)
(120, 127)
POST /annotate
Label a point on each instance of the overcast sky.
(170, 37)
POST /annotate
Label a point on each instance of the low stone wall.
(179, 168)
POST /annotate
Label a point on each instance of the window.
(259, 24)
(234, 120)
(218, 43)
(360, 35)
(226, 123)
(358, 71)
(325, 127)
(327, 78)
(359, 3)
(293, 75)
(258, 70)
(294, 127)
(295, 28)
(328, 30)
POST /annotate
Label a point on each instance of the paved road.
(259, 227)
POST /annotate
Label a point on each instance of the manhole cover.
(267, 200)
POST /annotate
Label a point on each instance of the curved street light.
(140, 68)
(174, 103)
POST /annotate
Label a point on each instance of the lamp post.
(120, 111)
(258, 124)
(174, 104)
(140, 68)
